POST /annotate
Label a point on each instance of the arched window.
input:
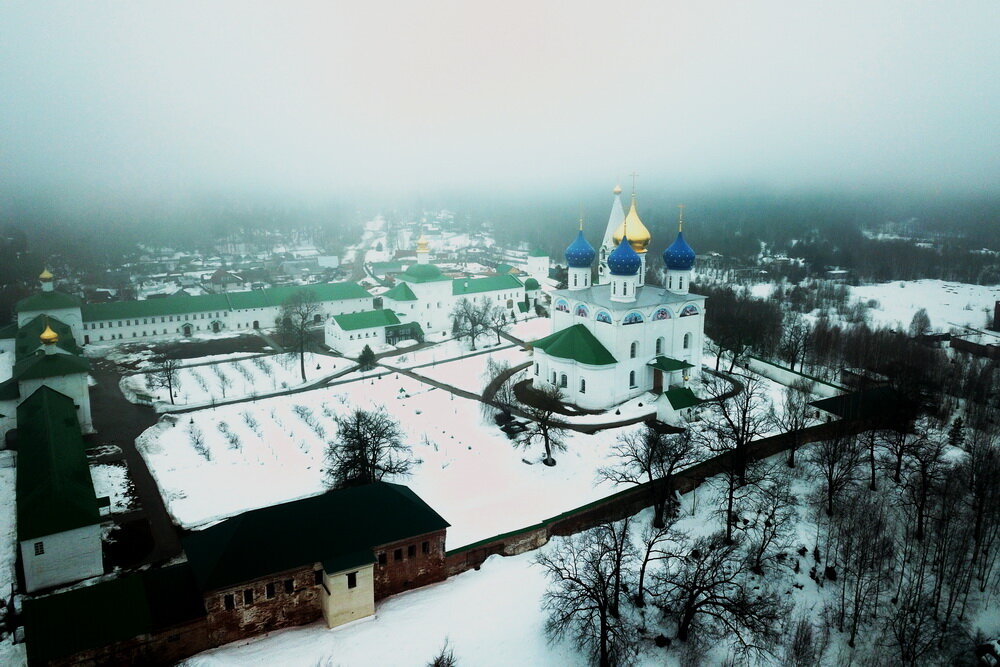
(662, 314)
(536, 369)
(687, 341)
(583, 386)
(563, 381)
(631, 379)
(680, 283)
(554, 377)
(688, 311)
(604, 316)
(581, 311)
(574, 280)
(633, 349)
(624, 289)
(670, 282)
(659, 345)
(562, 306)
(632, 318)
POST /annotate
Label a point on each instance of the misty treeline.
(884, 543)
(738, 325)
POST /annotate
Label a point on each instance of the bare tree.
(498, 320)
(733, 425)
(369, 447)
(793, 414)
(835, 461)
(653, 549)
(709, 588)
(582, 570)
(770, 522)
(296, 320)
(650, 457)
(471, 318)
(497, 395)
(166, 376)
(544, 425)
(920, 324)
(794, 341)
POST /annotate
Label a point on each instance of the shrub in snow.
(198, 441)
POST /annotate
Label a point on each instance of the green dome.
(422, 273)
(531, 284)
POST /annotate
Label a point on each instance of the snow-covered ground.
(201, 384)
(470, 373)
(9, 653)
(112, 480)
(946, 303)
(471, 473)
(409, 629)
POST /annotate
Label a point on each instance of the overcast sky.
(324, 98)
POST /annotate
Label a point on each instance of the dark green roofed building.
(58, 523)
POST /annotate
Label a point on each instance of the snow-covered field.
(112, 480)
(201, 384)
(470, 373)
(265, 452)
(9, 653)
(946, 303)
(533, 329)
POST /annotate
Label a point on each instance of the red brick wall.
(300, 606)
(409, 572)
(164, 648)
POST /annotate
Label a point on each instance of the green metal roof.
(681, 397)
(40, 365)
(9, 390)
(265, 298)
(110, 611)
(531, 284)
(54, 490)
(537, 252)
(47, 301)
(366, 320)
(349, 561)
(669, 365)
(576, 343)
(8, 330)
(463, 286)
(319, 529)
(27, 338)
(401, 292)
(422, 273)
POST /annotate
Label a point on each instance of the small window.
(687, 341)
(583, 386)
(289, 585)
(39, 548)
(411, 551)
(563, 381)
(631, 379)
(269, 591)
(382, 559)
(352, 579)
(248, 596)
(317, 577)
(633, 350)
(426, 547)
(230, 601)
(397, 554)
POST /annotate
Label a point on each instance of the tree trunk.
(302, 359)
(684, 626)
(605, 660)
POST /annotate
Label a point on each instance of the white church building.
(621, 338)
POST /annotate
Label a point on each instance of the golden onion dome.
(46, 275)
(638, 235)
(48, 337)
(422, 244)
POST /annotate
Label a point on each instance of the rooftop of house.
(340, 527)
(368, 319)
(646, 296)
(576, 343)
(54, 490)
(263, 298)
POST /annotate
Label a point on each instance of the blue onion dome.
(624, 261)
(580, 254)
(679, 256)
